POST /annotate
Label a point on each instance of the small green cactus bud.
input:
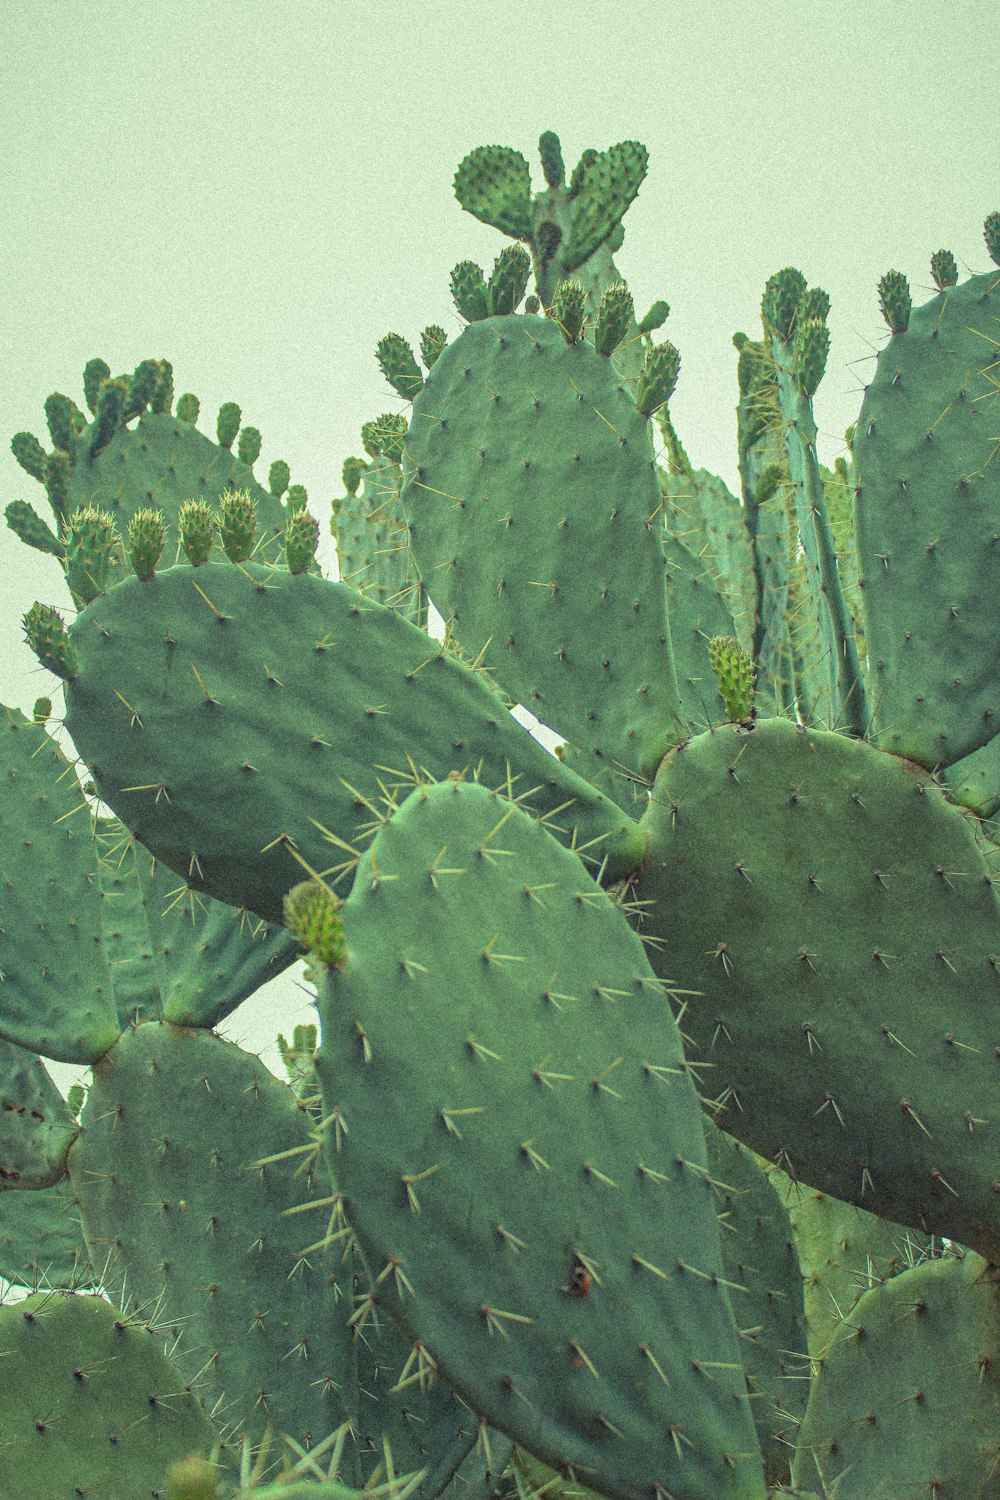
(29, 453)
(188, 408)
(780, 301)
(550, 150)
(311, 914)
(811, 347)
(944, 269)
(655, 318)
(849, 435)
(468, 290)
(162, 398)
(147, 533)
(991, 234)
(351, 474)
(42, 711)
(237, 524)
(25, 522)
(46, 635)
(432, 342)
(614, 317)
(548, 238)
(894, 300)
(227, 423)
(399, 366)
(76, 1099)
(278, 476)
(509, 281)
(59, 411)
(388, 433)
(192, 1479)
(568, 306)
(369, 440)
(580, 170)
(95, 373)
(301, 541)
(142, 388)
(248, 447)
(110, 406)
(735, 673)
(194, 521)
(296, 497)
(532, 304)
(658, 377)
(91, 541)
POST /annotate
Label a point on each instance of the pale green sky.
(259, 190)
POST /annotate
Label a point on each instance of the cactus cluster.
(646, 1142)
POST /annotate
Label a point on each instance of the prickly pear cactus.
(650, 1119)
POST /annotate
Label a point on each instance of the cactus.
(648, 1138)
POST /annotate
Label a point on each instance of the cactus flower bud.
(468, 290)
(944, 269)
(147, 532)
(780, 301)
(811, 347)
(188, 408)
(46, 634)
(311, 914)
(509, 281)
(614, 317)
(351, 474)
(95, 373)
(278, 478)
(42, 710)
(248, 447)
(894, 300)
(237, 524)
(90, 540)
(656, 317)
(658, 377)
(301, 541)
(227, 424)
(195, 522)
(567, 309)
(399, 366)
(735, 673)
(432, 342)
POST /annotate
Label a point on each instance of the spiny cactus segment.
(228, 423)
(658, 377)
(944, 269)
(432, 342)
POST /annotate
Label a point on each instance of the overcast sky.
(258, 191)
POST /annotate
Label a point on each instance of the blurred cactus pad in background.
(647, 1140)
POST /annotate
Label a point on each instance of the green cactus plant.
(650, 1122)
